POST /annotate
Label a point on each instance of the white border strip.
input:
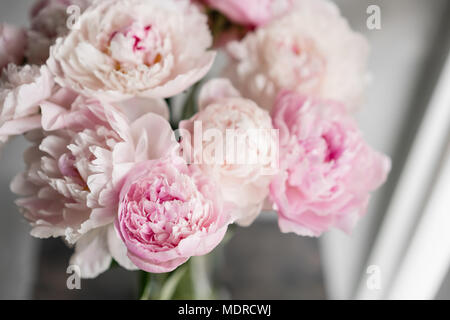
(428, 257)
(413, 184)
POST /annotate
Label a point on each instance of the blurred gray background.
(260, 262)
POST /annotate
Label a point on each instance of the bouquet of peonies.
(136, 159)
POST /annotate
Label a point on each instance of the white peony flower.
(128, 48)
(236, 145)
(312, 51)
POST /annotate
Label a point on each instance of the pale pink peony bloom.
(74, 174)
(59, 113)
(50, 19)
(22, 89)
(327, 170)
(311, 50)
(250, 13)
(12, 45)
(169, 212)
(232, 139)
(134, 48)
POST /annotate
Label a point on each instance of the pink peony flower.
(22, 89)
(327, 169)
(74, 174)
(12, 45)
(237, 146)
(250, 13)
(169, 212)
(49, 20)
(143, 48)
(311, 50)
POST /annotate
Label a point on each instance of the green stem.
(161, 286)
(145, 285)
(189, 281)
(172, 122)
(171, 284)
(189, 108)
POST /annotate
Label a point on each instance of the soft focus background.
(404, 237)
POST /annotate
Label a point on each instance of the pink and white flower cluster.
(107, 172)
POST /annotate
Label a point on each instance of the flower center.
(66, 164)
(334, 147)
(161, 212)
(135, 45)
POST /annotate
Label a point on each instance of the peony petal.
(216, 90)
(153, 136)
(92, 254)
(137, 107)
(118, 249)
(183, 81)
(20, 126)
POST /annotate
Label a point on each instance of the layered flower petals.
(232, 139)
(327, 170)
(141, 48)
(21, 92)
(168, 213)
(311, 50)
(76, 170)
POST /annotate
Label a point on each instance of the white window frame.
(414, 260)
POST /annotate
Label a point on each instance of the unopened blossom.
(12, 45)
(250, 13)
(51, 19)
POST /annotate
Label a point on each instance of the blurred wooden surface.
(258, 263)
(262, 263)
